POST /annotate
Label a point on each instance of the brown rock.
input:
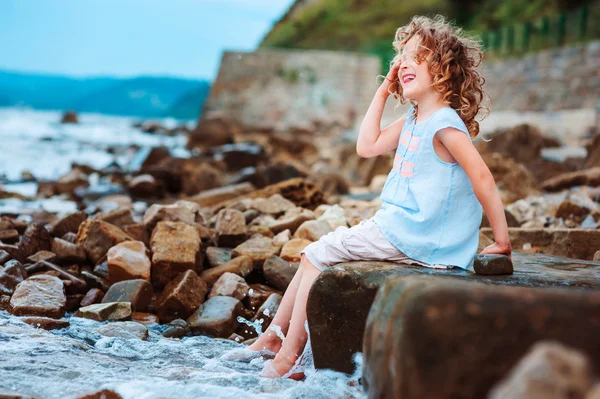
(217, 317)
(242, 266)
(177, 329)
(46, 323)
(4, 302)
(548, 371)
(572, 243)
(93, 296)
(258, 248)
(12, 250)
(199, 176)
(137, 292)
(257, 295)
(70, 237)
(416, 324)
(278, 272)
(492, 264)
(36, 238)
(69, 117)
(9, 236)
(145, 186)
(138, 232)
(68, 183)
(106, 311)
(103, 394)
(94, 280)
(176, 248)
(124, 329)
(586, 177)
(216, 256)
(97, 237)
(291, 250)
(73, 284)
(127, 261)
(312, 230)
(181, 211)
(212, 131)
(4, 257)
(41, 255)
(145, 318)
(12, 274)
(230, 284)
(181, 297)
(220, 194)
(118, 217)
(67, 252)
(40, 295)
(274, 205)
(68, 224)
(572, 211)
(231, 227)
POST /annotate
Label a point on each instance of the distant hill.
(140, 96)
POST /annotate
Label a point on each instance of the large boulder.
(446, 338)
(340, 298)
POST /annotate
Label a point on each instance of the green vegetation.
(369, 26)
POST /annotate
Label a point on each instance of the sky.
(124, 38)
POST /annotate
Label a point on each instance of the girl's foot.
(274, 370)
(268, 341)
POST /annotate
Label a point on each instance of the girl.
(435, 192)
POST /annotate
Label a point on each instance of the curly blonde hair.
(453, 59)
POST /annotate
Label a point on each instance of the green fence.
(576, 26)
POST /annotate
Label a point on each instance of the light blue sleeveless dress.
(429, 210)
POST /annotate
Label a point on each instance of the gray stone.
(278, 272)
(242, 266)
(492, 264)
(216, 256)
(40, 295)
(217, 317)
(258, 248)
(230, 284)
(137, 292)
(106, 311)
(231, 227)
(124, 329)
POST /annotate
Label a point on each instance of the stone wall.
(285, 88)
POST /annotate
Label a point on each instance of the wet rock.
(212, 131)
(101, 270)
(124, 329)
(103, 394)
(73, 302)
(118, 217)
(216, 256)
(492, 264)
(67, 252)
(4, 257)
(279, 272)
(138, 232)
(230, 284)
(40, 295)
(586, 177)
(94, 280)
(36, 238)
(12, 274)
(4, 302)
(274, 205)
(176, 248)
(127, 261)
(257, 295)
(416, 324)
(181, 211)
(572, 243)
(312, 230)
(73, 284)
(266, 313)
(69, 117)
(181, 297)
(106, 311)
(217, 317)
(340, 298)
(177, 329)
(231, 227)
(93, 296)
(41, 255)
(70, 237)
(241, 265)
(258, 248)
(145, 186)
(217, 195)
(291, 250)
(97, 237)
(12, 250)
(9, 236)
(45, 323)
(145, 318)
(137, 292)
(548, 371)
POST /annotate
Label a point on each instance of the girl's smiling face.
(413, 73)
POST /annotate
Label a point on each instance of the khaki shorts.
(363, 241)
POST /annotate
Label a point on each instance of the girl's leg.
(296, 338)
(269, 340)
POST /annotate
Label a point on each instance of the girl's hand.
(499, 249)
(390, 78)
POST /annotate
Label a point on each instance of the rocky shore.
(207, 244)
